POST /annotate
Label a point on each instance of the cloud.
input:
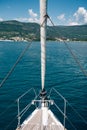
(22, 19)
(61, 17)
(33, 16)
(79, 17)
(1, 19)
(31, 13)
(73, 23)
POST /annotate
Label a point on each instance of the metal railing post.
(64, 113)
(18, 113)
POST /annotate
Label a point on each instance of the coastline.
(7, 40)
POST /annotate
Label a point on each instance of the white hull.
(34, 122)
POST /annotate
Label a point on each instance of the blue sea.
(62, 73)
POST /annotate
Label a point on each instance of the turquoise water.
(61, 72)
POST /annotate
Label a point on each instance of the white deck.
(34, 122)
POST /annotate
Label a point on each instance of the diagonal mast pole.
(43, 24)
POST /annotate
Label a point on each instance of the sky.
(62, 12)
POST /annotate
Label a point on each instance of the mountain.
(14, 30)
(17, 30)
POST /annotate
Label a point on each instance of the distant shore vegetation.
(18, 31)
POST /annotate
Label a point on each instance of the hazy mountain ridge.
(17, 31)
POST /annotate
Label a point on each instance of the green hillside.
(14, 30)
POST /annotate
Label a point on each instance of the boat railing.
(26, 108)
(49, 101)
(64, 112)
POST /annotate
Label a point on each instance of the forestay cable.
(28, 91)
(17, 61)
(72, 53)
(68, 104)
(76, 59)
(65, 116)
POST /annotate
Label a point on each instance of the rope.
(24, 110)
(76, 59)
(81, 68)
(71, 123)
(59, 109)
(51, 21)
(25, 93)
(59, 94)
(69, 105)
(13, 67)
(16, 101)
(46, 16)
(78, 113)
(64, 116)
(73, 55)
(27, 107)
